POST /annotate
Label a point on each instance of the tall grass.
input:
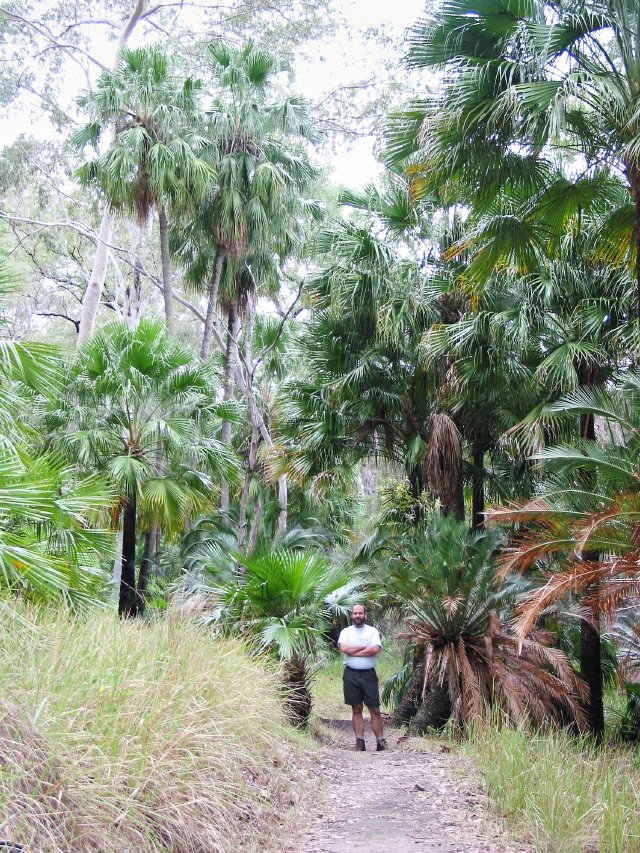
(137, 736)
(569, 795)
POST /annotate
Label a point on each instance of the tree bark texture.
(590, 649)
(477, 489)
(163, 222)
(255, 526)
(91, 298)
(254, 435)
(117, 568)
(229, 365)
(146, 566)
(127, 605)
(207, 335)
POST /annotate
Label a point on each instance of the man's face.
(357, 615)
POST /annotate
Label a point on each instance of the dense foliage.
(466, 329)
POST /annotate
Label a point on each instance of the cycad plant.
(285, 603)
(457, 616)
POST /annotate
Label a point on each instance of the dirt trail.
(417, 796)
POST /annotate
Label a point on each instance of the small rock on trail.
(416, 796)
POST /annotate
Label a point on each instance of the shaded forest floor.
(420, 795)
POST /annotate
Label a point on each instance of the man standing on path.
(360, 644)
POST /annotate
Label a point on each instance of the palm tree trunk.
(127, 605)
(166, 267)
(590, 648)
(254, 438)
(252, 455)
(633, 176)
(283, 500)
(91, 299)
(230, 358)
(255, 526)
(207, 334)
(477, 489)
(117, 568)
(146, 565)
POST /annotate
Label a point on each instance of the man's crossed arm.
(359, 651)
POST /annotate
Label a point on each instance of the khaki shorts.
(361, 687)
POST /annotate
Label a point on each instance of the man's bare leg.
(376, 723)
(357, 720)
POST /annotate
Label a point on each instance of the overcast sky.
(348, 59)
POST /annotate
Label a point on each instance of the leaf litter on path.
(416, 796)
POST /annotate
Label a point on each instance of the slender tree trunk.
(252, 455)
(477, 492)
(127, 605)
(117, 567)
(146, 566)
(255, 526)
(590, 648)
(254, 437)
(166, 267)
(91, 299)
(230, 360)
(633, 174)
(205, 349)
(283, 500)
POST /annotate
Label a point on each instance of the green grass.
(567, 794)
(138, 736)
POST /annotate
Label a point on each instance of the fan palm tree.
(527, 83)
(256, 207)
(457, 616)
(285, 602)
(364, 389)
(139, 411)
(51, 539)
(159, 155)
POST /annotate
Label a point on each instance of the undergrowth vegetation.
(123, 736)
(569, 795)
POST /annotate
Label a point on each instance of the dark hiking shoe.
(360, 745)
(382, 745)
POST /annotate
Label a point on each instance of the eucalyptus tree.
(527, 84)
(142, 413)
(158, 156)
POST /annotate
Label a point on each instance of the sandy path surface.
(417, 796)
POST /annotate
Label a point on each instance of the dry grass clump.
(137, 736)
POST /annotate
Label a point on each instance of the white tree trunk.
(91, 299)
(207, 334)
(166, 267)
